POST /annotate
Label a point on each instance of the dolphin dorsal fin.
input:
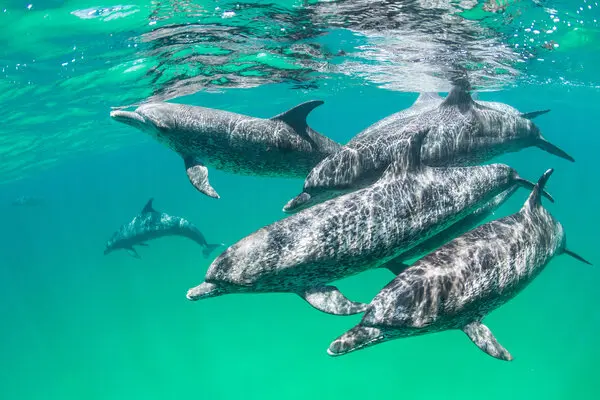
(426, 97)
(408, 157)
(535, 198)
(296, 117)
(458, 97)
(148, 207)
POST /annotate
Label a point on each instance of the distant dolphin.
(151, 224)
(456, 286)
(350, 234)
(27, 201)
(460, 132)
(282, 146)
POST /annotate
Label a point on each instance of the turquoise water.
(78, 324)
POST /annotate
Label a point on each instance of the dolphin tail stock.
(576, 256)
(483, 338)
(356, 338)
(530, 185)
(331, 301)
(534, 114)
(203, 291)
(208, 248)
(552, 149)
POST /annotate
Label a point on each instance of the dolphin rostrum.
(282, 146)
(151, 224)
(305, 252)
(460, 283)
(460, 132)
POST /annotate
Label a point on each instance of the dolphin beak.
(355, 339)
(297, 203)
(127, 117)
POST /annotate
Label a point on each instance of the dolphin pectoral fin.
(331, 301)
(143, 244)
(133, 253)
(485, 340)
(552, 149)
(198, 175)
(530, 185)
(576, 256)
(534, 114)
(395, 266)
(297, 203)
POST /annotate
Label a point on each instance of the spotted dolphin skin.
(456, 286)
(460, 132)
(282, 146)
(361, 230)
(151, 224)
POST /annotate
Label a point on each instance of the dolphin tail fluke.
(552, 149)
(331, 301)
(534, 114)
(209, 249)
(483, 338)
(576, 256)
(355, 339)
(530, 185)
(203, 291)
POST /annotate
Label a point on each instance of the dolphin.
(283, 146)
(28, 201)
(151, 224)
(344, 236)
(460, 132)
(460, 283)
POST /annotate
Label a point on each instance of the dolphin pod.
(408, 205)
(460, 132)
(460, 283)
(410, 186)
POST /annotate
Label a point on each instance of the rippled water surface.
(77, 324)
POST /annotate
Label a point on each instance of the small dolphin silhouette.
(151, 224)
(27, 201)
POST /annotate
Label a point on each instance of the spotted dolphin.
(306, 251)
(282, 146)
(151, 224)
(460, 132)
(456, 286)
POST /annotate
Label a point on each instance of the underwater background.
(79, 324)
